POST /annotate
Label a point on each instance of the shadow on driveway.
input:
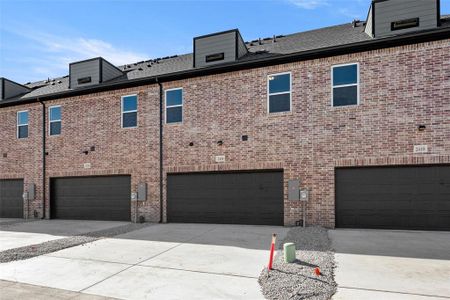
(60, 227)
(396, 243)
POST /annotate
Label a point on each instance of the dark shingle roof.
(332, 36)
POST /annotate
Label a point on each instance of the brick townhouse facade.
(358, 116)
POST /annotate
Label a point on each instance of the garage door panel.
(11, 201)
(234, 198)
(393, 197)
(91, 198)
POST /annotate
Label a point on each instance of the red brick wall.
(400, 88)
(23, 159)
(87, 121)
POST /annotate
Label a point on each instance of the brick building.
(358, 114)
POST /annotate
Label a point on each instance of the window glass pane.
(129, 103)
(23, 131)
(55, 113)
(345, 96)
(55, 128)
(129, 119)
(22, 118)
(279, 103)
(279, 83)
(174, 97)
(174, 114)
(345, 75)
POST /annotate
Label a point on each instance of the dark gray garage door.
(227, 198)
(393, 198)
(11, 201)
(91, 198)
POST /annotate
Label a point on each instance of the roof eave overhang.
(368, 45)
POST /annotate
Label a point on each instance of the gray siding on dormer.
(110, 71)
(242, 48)
(390, 11)
(85, 69)
(11, 89)
(369, 23)
(225, 42)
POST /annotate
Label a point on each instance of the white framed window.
(54, 118)
(279, 88)
(22, 124)
(174, 105)
(129, 108)
(345, 84)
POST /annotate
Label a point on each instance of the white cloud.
(308, 4)
(52, 54)
(80, 48)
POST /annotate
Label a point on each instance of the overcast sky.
(39, 38)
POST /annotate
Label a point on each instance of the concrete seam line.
(136, 264)
(130, 266)
(104, 279)
(178, 245)
(393, 292)
(196, 271)
(88, 259)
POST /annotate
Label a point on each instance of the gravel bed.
(59, 244)
(297, 280)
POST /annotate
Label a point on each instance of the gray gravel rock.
(59, 244)
(297, 280)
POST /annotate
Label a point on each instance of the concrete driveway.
(27, 233)
(387, 264)
(161, 261)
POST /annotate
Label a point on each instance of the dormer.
(10, 89)
(392, 17)
(217, 48)
(91, 72)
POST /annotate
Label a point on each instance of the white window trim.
(50, 121)
(279, 93)
(345, 85)
(129, 111)
(19, 125)
(177, 105)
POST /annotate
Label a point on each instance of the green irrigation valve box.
(289, 252)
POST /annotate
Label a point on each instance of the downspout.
(161, 185)
(43, 158)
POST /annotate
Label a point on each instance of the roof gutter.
(374, 44)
